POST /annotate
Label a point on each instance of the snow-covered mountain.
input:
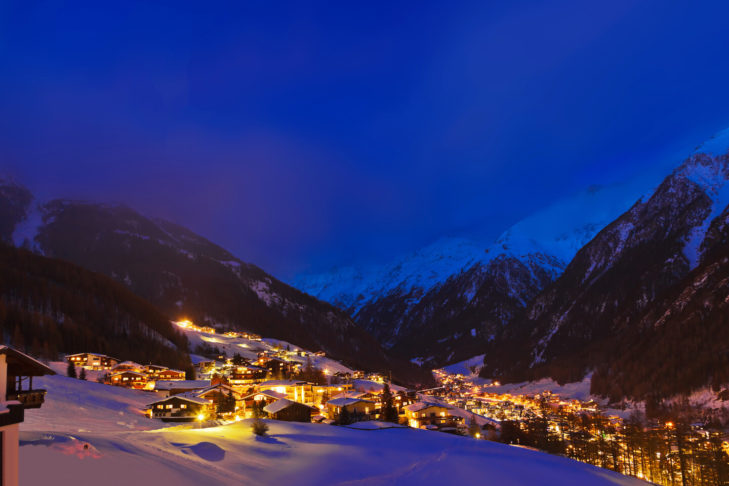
(184, 274)
(618, 291)
(445, 301)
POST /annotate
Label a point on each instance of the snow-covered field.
(87, 433)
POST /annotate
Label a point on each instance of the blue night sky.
(306, 135)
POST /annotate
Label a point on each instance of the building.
(171, 375)
(128, 379)
(356, 407)
(289, 411)
(295, 390)
(223, 397)
(16, 395)
(181, 408)
(247, 375)
(424, 414)
(92, 361)
(260, 399)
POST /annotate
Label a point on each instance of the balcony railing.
(29, 398)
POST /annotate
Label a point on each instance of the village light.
(201, 417)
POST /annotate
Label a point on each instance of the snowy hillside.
(89, 452)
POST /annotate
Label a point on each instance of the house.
(223, 397)
(92, 361)
(289, 411)
(181, 408)
(295, 390)
(154, 370)
(171, 375)
(16, 395)
(424, 414)
(260, 399)
(247, 375)
(356, 407)
(277, 366)
(168, 388)
(128, 379)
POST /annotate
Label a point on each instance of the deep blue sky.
(302, 136)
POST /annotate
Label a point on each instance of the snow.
(293, 453)
(712, 179)
(716, 145)
(466, 367)
(549, 238)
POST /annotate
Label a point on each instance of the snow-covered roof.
(281, 404)
(181, 384)
(350, 394)
(268, 393)
(128, 372)
(92, 354)
(26, 365)
(220, 386)
(187, 398)
(282, 383)
(418, 406)
(343, 402)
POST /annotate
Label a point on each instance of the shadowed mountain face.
(185, 275)
(626, 302)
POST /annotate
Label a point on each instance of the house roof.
(350, 394)
(282, 383)
(418, 406)
(220, 386)
(92, 354)
(282, 404)
(129, 363)
(343, 402)
(20, 364)
(268, 393)
(181, 384)
(187, 398)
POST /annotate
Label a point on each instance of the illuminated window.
(183, 406)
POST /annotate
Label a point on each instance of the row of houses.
(125, 373)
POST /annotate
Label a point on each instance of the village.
(241, 375)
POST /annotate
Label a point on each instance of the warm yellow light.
(669, 425)
(201, 417)
(478, 436)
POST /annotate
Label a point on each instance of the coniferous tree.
(82, 374)
(388, 411)
(71, 370)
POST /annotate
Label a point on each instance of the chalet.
(277, 366)
(424, 414)
(168, 388)
(128, 379)
(224, 398)
(266, 397)
(181, 408)
(154, 370)
(356, 407)
(16, 382)
(290, 411)
(92, 361)
(247, 375)
(171, 375)
(295, 390)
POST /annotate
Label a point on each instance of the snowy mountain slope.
(446, 301)
(185, 275)
(586, 316)
(303, 454)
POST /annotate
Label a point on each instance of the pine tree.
(71, 370)
(82, 374)
(388, 411)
